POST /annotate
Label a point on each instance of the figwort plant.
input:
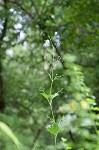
(53, 128)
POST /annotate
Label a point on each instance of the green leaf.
(64, 139)
(53, 129)
(69, 147)
(46, 96)
(9, 132)
(49, 98)
(54, 95)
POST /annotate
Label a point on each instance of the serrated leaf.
(9, 132)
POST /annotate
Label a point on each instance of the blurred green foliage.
(29, 33)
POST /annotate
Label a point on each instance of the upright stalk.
(55, 137)
(52, 80)
(52, 113)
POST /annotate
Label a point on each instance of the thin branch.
(58, 52)
(44, 5)
(71, 136)
(22, 8)
(37, 136)
(36, 9)
(59, 55)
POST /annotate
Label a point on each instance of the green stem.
(51, 82)
(50, 95)
(55, 137)
(51, 88)
(52, 113)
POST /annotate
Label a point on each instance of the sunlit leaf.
(46, 96)
(54, 95)
(64, 139)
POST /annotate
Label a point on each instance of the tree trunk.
(2, 100)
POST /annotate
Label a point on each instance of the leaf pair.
(49, 97)
(54, 129)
